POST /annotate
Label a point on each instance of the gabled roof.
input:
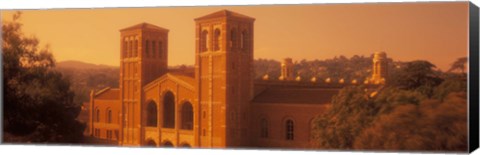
(185, 81)
(145, 26)
(108, 94)
(224, 13)
(296, 95)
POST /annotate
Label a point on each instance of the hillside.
(85, 77)
(81, 65)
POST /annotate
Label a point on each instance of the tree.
(417, 75)
(432, 125)
(460, 64)
(38, 102)
(351, 111)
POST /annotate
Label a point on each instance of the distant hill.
(81, 65)
(85, 77)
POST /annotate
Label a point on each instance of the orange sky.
(436, 32)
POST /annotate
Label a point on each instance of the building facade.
(216, 104)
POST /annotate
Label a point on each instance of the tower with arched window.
(224, 76)
(287, 69)
(143, 58)
(380, 70)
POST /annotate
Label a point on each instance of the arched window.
(152, 114)
(244, 40)
(109, 115)
(167, 144)
(233, 38)
(135, 48)
(129, 49)
(125, 48)
(185, 145)
(147, 48)
(289, 128)
(154, 49)
(169, 110)
(187, 116)
(264, 128)
(151, 143)
(160, 49)
(204, 41)
(216, 40)
(97, 115)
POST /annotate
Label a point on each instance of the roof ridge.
(144, 25)
(169, 75)
(100, 92)
(224, 13)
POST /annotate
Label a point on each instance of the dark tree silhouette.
(460, 64)
(417, 75)
(38, 102)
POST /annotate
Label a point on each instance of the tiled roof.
(185, 78)
(187, 81)
(296, 95)
(224, 13)
(108, 94)
(145, 26)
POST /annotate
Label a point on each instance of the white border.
(48, 4)
(86, 150)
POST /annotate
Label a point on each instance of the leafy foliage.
(460, 64)
(351, 111)
(432, 125)
(402, 116)
(38, 102)
(417, 75)
(86, 79)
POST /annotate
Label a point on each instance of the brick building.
(216, 104)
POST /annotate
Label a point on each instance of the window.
(109, 134)
(169, 110)
(152, 114)
(244, 40)
(109, 116)
(97, 115)
(233, 38)
(130, 51)
(147, 49)
(264, 128)
(135, 48)
(289, 127)
(216, 41)
(116, 134)
(153, 49)
(204, 41)
(125, 47)
(160, 49)
(96, 133)
(187, 116)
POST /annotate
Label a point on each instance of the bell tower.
(143, 58)
(224, 75)
(287, 69)
(380, 70)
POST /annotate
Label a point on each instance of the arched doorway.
(152, 114)
(169, 110)
(167, 144)
(186, 145)
(151, 143)
(187, 116)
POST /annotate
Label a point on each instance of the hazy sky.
(436, 32)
